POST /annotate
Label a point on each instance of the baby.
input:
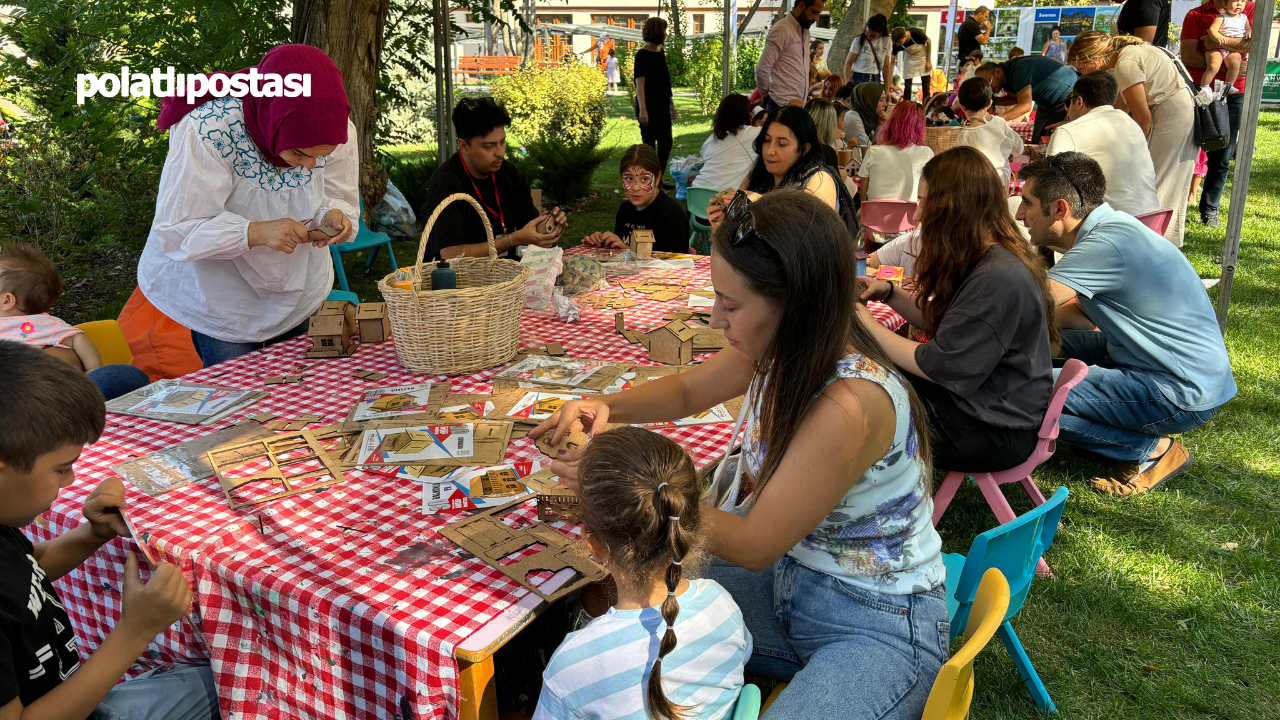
(29, 286)
(1230, 25)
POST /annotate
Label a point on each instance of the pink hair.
(904, 128)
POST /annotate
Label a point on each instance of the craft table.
(345, 603)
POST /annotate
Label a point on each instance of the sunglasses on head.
(1056, 165)
(741, 223)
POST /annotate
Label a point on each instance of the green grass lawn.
(1163, 605)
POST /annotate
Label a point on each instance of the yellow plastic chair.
(109, 339)
(953, 689)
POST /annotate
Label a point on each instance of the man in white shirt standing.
(1112, 138)
(782, 74)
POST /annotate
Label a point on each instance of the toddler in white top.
(1230, 25)
(984, 131)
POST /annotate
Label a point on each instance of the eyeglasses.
(742, 224)
(1053, 163)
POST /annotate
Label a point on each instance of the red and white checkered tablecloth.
(1025, 129)
(345, 603)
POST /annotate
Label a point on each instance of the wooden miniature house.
(497, 483)
(330, 330)
(672, 344)
(642, 243)
(373, 322)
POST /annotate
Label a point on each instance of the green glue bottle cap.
(444, 277)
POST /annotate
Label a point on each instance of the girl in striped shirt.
(670, 647)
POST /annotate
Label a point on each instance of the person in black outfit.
(48, 413)
(477, 169)
(985, 376)
(1146, 19)
(655, 108)
(973, 33)
(646, 207)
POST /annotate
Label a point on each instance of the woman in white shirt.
(984, 131)
(871, 54)
(236, 252)
(891, 169)
(728, 154)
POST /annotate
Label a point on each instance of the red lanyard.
(497, 198)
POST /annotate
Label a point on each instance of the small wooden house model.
(373, 322)
(672, 344)
(497, 483)
(330, 330)
(642, 243)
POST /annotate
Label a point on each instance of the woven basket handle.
(426, 231)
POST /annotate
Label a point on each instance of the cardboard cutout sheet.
(565, 372)
(381, 403)
(272, 468)
(164, 470)
(413, 442)
(184, 402)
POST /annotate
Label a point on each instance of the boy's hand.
(102, 510)
(150, 608)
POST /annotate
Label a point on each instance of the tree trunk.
(851, 27)
(675, 18)
(351, 32)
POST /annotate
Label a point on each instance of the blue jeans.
(116, 380)
(180, 692)
(1220, 160)
(1118, 412)
(848, 653)
(213, 351)
(857, 77)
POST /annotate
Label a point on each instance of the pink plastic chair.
(887, 217)
(1072, 373)
(1157, 220)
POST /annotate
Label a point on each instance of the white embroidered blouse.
(197, 267)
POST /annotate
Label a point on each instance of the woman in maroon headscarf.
(237, 252)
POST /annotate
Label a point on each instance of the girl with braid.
(670, 647)
(831, 552)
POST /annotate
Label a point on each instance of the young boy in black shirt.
(48, 413)
(646, 206)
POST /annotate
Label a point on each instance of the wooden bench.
(479, 65)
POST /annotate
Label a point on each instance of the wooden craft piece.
(302, 421)
(497, 483)
(623, 303)
(631, 284)
(502, 386)
(672, 344)
(369, 375)
(602, 378)
(396, 399)
(298, 464)
(277, 425)
(283, 379)
(555, 349)
(504, 404)
(572, 440)
(488, 444)
(681, 315)
(653, 372)
(487, 537)
(330, 330)
(641, 243)
(263, 417)
(709, 339)
(665, 295)
(164, 470)
(375, 326)
(559, 508)
(631, 337)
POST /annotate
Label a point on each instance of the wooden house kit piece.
(672, 344)
(641, 243)
(375, 327)
(331, 329)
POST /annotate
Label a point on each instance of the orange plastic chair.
(953, 689)
(109, 339)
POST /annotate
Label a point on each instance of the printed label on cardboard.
(386, 402)
(460, 413)
(395, 446)
(540, 406)
(716, 414)
(194, 401)
(553, 371)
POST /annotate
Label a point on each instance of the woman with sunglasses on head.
(834, 470)
(790, 154)
(646, 207)
(983, 300)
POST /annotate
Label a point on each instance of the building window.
(699, 23)
(554, 19)
(326, 342)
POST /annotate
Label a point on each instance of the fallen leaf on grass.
(1229, 546)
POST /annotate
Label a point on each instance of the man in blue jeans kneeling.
(1142, 322)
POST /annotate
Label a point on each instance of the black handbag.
(1211, 126)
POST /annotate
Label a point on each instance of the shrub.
(748, 54)
(565, 102)
(676, 50)
(704, 72)
(562, 169)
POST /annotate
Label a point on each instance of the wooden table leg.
(477, 690)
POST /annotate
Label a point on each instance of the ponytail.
(671, 504)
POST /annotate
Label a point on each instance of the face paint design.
(642, 182)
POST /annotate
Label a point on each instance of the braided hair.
(639, 497)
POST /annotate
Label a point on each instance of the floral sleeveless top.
(880, 536)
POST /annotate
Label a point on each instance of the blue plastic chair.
(699, 225)
(365, 239)
(343, 295)
(748, 706)
(1013, 548)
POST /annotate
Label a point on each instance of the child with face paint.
(646, 207)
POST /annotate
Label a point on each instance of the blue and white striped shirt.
(601, 672)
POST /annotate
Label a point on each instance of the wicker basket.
(941, 139)
(452, 332)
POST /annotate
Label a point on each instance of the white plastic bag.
(544, 265)
(393, 215)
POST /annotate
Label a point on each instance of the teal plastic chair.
(365, 239)
(343, 295)
(748, 706)
(699, 226)
(1014, 549)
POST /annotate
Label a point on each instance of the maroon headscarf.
(277, 124)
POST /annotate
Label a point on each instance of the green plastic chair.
(700, 227)
(343, 295)
(748, 706)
